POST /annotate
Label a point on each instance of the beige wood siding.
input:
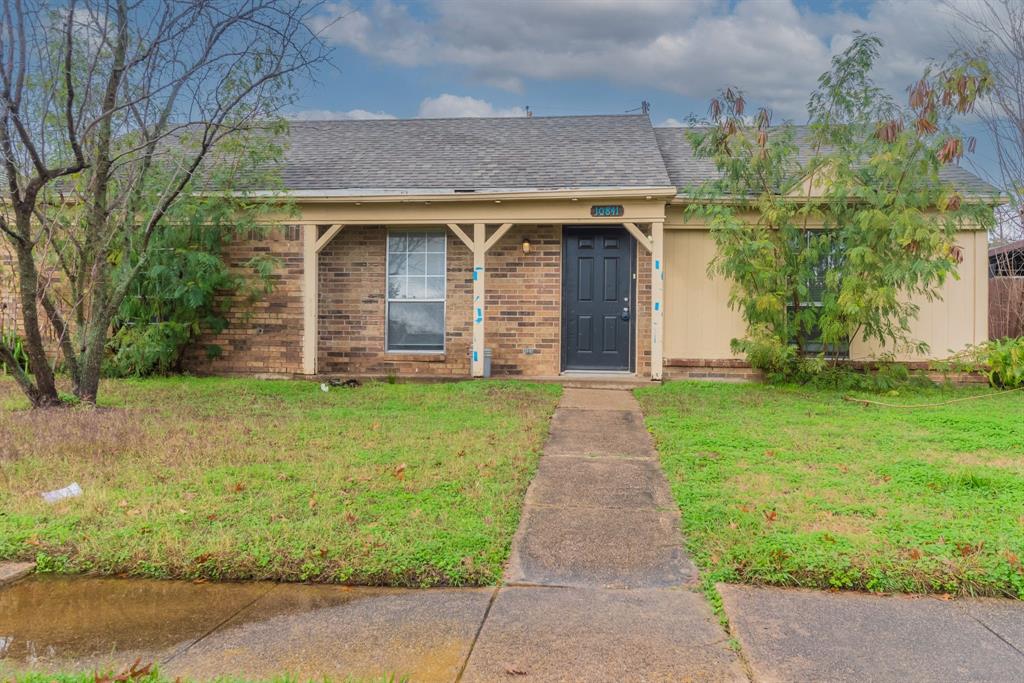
(956, 320)
(699, 323)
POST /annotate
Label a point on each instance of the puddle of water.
(93, 621)
(257, 629)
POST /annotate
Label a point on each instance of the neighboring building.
(1006, 260)
(1006, 290)
(558, 244)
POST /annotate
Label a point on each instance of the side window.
(830, 257)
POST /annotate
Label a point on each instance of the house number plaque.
(606, 211)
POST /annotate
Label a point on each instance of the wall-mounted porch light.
(526, 246)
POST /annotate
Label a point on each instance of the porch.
(503, 289)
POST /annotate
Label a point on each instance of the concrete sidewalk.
(808, 635)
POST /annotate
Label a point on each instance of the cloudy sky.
(442, 58)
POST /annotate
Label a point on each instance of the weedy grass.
(155, 677)
(792, 486)
(385, 484)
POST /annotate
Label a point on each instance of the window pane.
(416, 326)
(417, 288)
(435, 288)
(397, 287)
(397, 264)
(436, 242)
(435, 264)
(396, 242)
(417, 264)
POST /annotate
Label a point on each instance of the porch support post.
(310, 275)
(657, 298)
(479, 245)
(479, 297)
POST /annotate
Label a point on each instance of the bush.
(781, 363)
(1000, 360)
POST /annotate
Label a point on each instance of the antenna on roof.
(529, 114)
(644, 108)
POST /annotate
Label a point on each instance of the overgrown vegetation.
(386, 484)
(789, 486)
(835, 232)
(1001, 360)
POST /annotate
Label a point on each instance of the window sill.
(417, 356)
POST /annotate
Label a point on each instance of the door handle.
(625, 313)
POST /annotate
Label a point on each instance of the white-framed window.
(416, 290)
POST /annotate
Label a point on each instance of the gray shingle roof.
(538, 153)
(687, 171)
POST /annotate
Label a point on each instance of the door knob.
(625, 313)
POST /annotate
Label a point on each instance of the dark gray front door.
(597, 296)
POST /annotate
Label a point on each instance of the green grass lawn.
(404, 484)
(797, 487)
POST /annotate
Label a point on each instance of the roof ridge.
(467, 118)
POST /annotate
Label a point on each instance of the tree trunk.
(44, 392)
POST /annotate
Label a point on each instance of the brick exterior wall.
(262, 337)
(523, 312)
(352, 309)
(643, 312)
(523, 308)
(524, 302)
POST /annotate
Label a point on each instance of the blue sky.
(495, 58)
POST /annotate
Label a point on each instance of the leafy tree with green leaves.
(830, 232)
(117, 121)
(186, 283)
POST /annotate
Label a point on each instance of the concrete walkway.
(598, 587)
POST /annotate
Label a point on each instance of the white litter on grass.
(324, 388)
(72, 490)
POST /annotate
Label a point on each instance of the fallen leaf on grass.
(1013, 560)
(312, 503)
(915, 554)
(771, 515)
(238, 487)
(399, 471)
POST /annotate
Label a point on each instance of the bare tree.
(111, 112)
(993, 31)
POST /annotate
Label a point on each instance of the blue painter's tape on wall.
(474, 275)
(657, 305)
(657, 264)
(476, 356)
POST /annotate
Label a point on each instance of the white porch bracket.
(641, 238)
(329, 235)
(480, 244)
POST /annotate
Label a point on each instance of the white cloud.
(773, 50)
(455, 106)
(329, 115)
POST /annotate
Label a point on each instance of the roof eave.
(452, 195)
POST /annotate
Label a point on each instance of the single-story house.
(546, 245)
